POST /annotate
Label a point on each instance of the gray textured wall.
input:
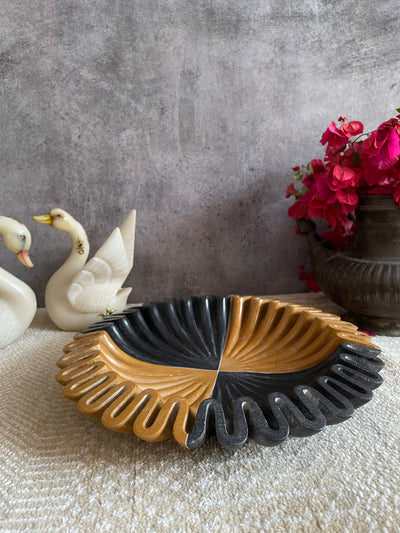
(191, 111)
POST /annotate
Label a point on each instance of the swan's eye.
(22, 237)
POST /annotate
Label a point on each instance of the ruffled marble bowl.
(236, 367)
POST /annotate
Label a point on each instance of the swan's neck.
(79, 251)
(5, 224)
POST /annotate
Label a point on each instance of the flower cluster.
(355, 163)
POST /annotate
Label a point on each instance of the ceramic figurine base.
(238, 367)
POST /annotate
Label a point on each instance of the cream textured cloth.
(63, 471)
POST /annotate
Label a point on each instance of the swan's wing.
(128, 236)
(94, 287)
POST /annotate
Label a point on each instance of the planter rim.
(382, 201)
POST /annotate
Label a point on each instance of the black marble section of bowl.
(182, 333)
(306, 409)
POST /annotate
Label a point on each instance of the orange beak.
(25, 259)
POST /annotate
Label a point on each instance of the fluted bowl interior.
(237, 367)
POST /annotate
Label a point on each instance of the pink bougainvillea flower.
(317, 166)
(315, 208)
(352, 128)
(325, 191)
(348, 198)
(314, 204)
(389, 179)
(338, 218)
(334, 136)
(308, 181)
(333, 214)
(333, 156)
(292, 191)
(382, 147)
(339, 137)
(298, 210)
(372, 175)
(343, 177)
(335, 238)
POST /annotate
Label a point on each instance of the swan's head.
(63, 221)
(17, 238)
(58, 218)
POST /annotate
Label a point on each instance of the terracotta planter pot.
(364, 277)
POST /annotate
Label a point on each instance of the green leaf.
(298, 176)
(398, 109)
(356, 159)
(304, 189)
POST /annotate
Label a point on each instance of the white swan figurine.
(79, 293)
(17, 299)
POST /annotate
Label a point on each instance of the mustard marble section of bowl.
(237, 366)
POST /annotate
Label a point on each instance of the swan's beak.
(23, 256)
(43, 219)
